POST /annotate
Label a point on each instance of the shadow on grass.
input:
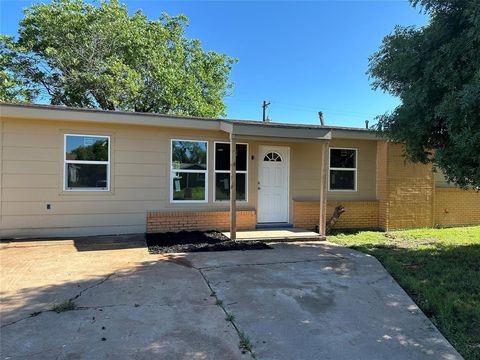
(444, 281)
(352, 231)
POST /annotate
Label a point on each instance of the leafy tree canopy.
(435, 71)
(78, 54)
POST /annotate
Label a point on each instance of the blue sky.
(303, 57)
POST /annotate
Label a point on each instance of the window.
(189, 171)
(343, 169)
(87, 163)
(272, 156)
(222, 171)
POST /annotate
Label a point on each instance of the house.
(67, 171)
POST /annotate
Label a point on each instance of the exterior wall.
(391, 194)
(406, 190)
(164, 221)
(441, 180)
(454, 207)
(382, 184)
(32, 177)
(304, 175)
(357, 215)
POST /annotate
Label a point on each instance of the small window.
(272, 156)
(189, 171)
(222, 171)
(87, 163)
(343, 169)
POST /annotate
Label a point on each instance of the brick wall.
(382, 184)
(164, 221)
(357, 215)
(456, 207)
(405, 191)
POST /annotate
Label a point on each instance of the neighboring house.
(71, 171)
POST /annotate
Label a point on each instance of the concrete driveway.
(297, 301)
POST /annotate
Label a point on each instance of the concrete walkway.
(298, 301)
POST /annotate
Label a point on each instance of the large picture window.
(189, 171)
(87, 163)
(222, 171)
(343, 169)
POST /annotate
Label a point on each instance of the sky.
(301, 56)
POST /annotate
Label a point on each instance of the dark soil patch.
(197, 241)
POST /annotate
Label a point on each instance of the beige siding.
(366, 171)
(32, 177)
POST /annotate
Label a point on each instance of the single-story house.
(67, 171)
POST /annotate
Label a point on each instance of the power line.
(281, 104)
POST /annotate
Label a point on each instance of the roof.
(250, 128)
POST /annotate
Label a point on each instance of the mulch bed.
(197, 241)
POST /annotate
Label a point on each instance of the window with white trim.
(86, 162)
(222, 171)
(188, 178)
(343, 169)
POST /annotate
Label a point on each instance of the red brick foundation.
(174, 220)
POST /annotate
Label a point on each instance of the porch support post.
(233, 188)
(323, 190)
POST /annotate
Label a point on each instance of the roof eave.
(106, 117)
(288, 132)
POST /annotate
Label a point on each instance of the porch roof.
(258, 129)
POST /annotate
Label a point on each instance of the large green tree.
(77, 54)
(435, 71)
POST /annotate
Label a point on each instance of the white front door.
(273, 195)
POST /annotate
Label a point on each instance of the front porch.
(259, 173)
(278, 234)
(273, 180)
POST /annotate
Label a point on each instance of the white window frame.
(355, 169)
(215, 171)
(86, 162)
(188, 171)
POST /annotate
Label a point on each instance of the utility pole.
(264, 107)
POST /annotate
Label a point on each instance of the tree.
(13, 87)
(435, 71)
(78, 54)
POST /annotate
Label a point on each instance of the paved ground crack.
(220, 304)
(91, 287)
(267, 263)
(36, 313)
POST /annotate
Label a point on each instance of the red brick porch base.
(174, 220)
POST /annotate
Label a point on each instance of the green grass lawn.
(439, 269)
